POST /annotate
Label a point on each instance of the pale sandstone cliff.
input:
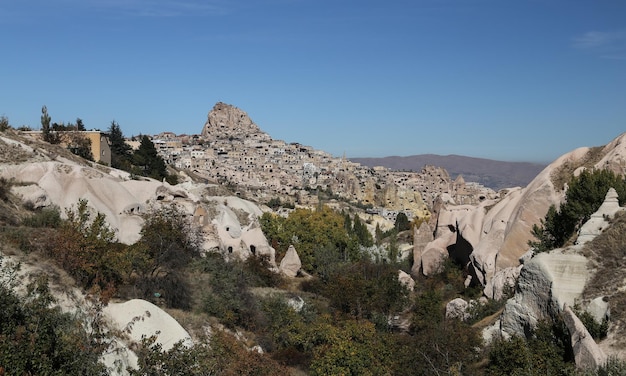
(494, 234)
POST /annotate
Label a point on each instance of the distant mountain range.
(488, 172)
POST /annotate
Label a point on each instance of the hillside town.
(232, 150)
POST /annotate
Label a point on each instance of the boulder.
(290, 264)
(430, 260)
(457, 309)
(138, 318)
(406, 280)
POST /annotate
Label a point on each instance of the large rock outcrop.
(496, 233)
(546, 283)
(137, 319)
(290, 265)
(552, 282)
(225, 121)
(598, 221)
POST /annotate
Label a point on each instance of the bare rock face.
(599, 220)
(587, 354)
(290, 264)
(502, 283)
(550, 282)
(431, 258)
(406, 280)
(497, 232)
(422, 235)
(546, 283)
(226, 121)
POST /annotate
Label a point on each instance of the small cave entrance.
(253, 249)
(230, 249)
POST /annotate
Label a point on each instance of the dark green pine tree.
(147, 162)
(120, 151)
(362, 233)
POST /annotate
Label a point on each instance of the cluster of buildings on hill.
(262, 168)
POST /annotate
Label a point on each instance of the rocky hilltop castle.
(233, 150)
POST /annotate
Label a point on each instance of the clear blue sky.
(501, 79)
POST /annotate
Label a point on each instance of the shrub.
(366, 290)
(546, 352)
(5, 188)
(86, 248)
(168, 244)
(227, 295)
(597, 330)
(4, 123)
(36, 338)
(46, 217)
(224, 356)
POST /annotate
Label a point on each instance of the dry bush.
(563, 174)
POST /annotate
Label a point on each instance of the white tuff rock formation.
(587, 354)
(494, 234)
(290, 264)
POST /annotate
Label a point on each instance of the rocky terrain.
(484, 230)
(492, 238)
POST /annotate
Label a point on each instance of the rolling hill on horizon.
(488, 172)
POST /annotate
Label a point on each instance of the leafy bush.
(366, 290)
(85, 246)
(168, 243)
(225, 355)
(4, 123)
(226, 294)
(597, 330)
(310, 231)
(36, 338)
(46, 217)
(546, 352)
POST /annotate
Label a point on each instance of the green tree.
(310, 231)
(80, 126)
(546, 352)
(359, 229)
(120, 150)
(367, 290)
(584, 195)
(402, 222)
(36, 338)
(148, 162)
(80, 145)
(354, 348)
(168, 243)
(46, 129)
(85, 246)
